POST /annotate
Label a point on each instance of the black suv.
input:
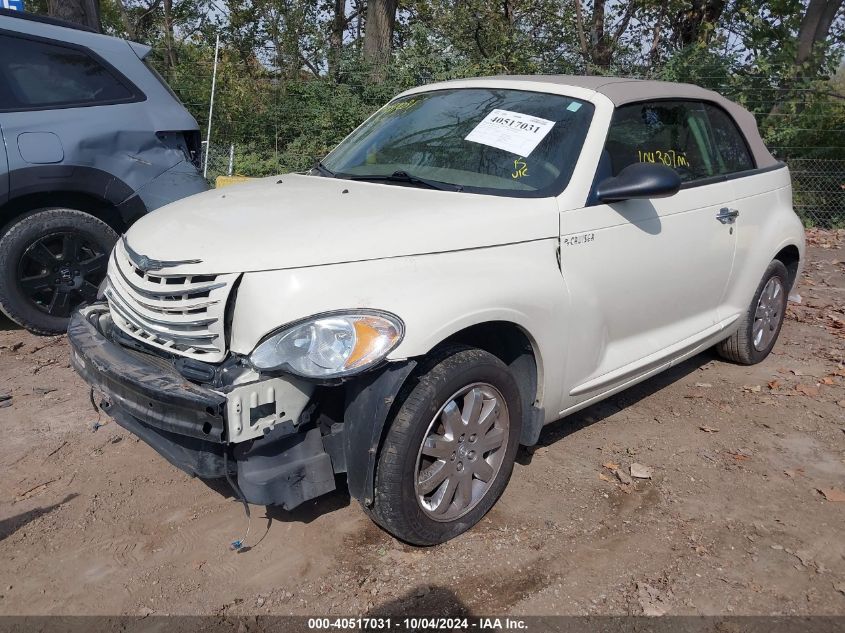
(93, 139)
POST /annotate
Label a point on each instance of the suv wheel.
(760, 326)
(450, 448)
(52, 261)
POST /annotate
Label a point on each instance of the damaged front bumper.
(255, 431)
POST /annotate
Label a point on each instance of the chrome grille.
(183, 314)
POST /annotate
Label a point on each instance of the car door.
(646, 276)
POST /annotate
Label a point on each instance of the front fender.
(435, 295)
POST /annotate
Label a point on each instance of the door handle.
(727, 216)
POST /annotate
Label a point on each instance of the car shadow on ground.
(423, 600)
(7, 325)
(599, 411)
(13, 524)
(306, 513)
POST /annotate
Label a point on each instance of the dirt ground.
(743, 514)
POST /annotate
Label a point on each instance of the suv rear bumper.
(186, 423)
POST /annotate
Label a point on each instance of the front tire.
(760, 325)
(50, 262)
(450, 448)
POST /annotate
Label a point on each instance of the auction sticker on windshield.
(512, 132)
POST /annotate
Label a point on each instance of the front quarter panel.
(435, 295)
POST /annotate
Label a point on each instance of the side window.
(37, 74)
(729, 141)
(674, 133)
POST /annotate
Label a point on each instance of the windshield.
(485, 140)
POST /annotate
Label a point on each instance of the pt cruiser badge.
(405, 313)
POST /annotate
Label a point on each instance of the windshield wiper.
(324, 171)
(403, 176)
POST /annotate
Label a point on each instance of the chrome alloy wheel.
(768, 314)
(462, 452)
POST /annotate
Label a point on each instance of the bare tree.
(84, 12)
(378, 30)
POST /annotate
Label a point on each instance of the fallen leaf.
(807, 390)
(833, 494)
(641, 472)
(839, 371)
(709, 429)
(751, 389)
(739, 455)
(604, 477)
(774, 384)
(610, 465)
(827, 380)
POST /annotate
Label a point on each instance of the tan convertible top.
(621, 90)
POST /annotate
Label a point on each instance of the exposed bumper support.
(186, 423)
(152, 394)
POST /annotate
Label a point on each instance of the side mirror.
(640, 180)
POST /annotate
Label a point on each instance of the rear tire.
(450, 448)
(760, 326)
(51, 261)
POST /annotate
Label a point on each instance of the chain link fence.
(818, 191)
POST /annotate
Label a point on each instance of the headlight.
(331, 345)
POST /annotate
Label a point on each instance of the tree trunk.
(128, 25)
(378, 30)
(579, 28)
(338, 26)
(696, 24)
(814, 27)
(84, 12)
(168, 33)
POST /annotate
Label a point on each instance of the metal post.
(231, 159)
(211, 108)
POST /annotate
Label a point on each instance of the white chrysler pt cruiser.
(477, 259)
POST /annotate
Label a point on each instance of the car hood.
(293, 220)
